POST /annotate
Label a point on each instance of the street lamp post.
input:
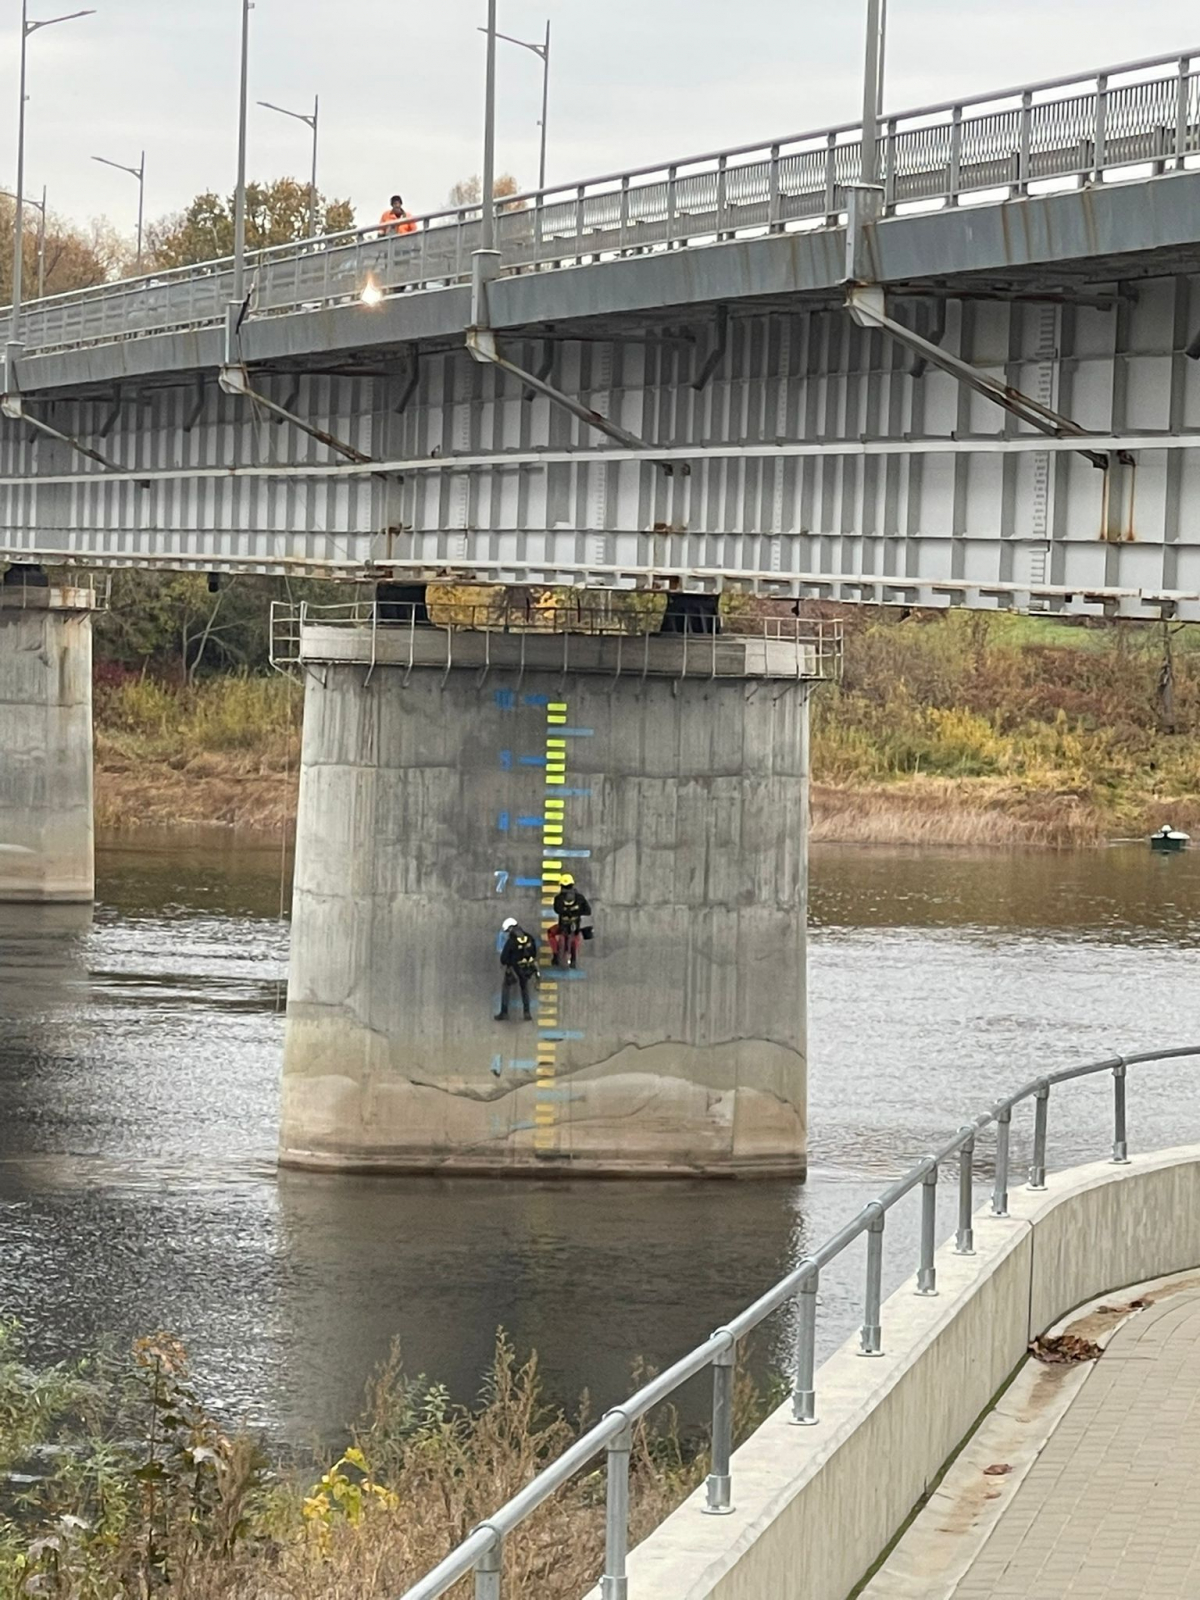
(239, 198)
(40, 206)
(138, 172)
(873, 88)
(542, 51)
(310, 121)
(487, 227)
(27, 27)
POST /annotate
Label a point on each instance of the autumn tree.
(276, 213)
(76, 258)
(469, 191)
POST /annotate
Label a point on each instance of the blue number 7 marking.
(501, 880)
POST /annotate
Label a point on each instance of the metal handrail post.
(1100, 131)
(927, 1271)
(831, 179)
(1024, 157)
(804, 1397)
(872, 1332)
(719, 1486)
(1000, 1190)
(614, 1585)
(1120, 1137)
(1037, 1168)
(889, 168)
(773, 198)
(955, 156)
(488, 1572)
(964, 1239)
(1181, 112)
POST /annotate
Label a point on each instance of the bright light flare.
(372, 294)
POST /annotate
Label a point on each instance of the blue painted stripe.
(577, 794)
(532, 761)
(576, 855)
(528, 883)
(559, 1033)
(559, 1094)
(522, 1066)
(535, 699)
(564, 974)
(531, 822)
(576, 733)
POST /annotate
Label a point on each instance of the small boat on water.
(1169, 838)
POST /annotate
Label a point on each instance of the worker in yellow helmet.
(570, 907)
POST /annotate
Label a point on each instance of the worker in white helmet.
(519, 960)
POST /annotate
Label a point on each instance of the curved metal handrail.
(481, 1551)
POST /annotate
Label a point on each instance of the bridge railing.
(817, 642)
(1074, 130)
(481, 1553)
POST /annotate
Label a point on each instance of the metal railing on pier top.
(1071, 131)
(817, 642)
(482, 1551)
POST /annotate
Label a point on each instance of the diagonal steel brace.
(481, 342)
(235, 379)
(13, 406)
(866, 306)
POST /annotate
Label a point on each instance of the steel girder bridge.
(972, 382)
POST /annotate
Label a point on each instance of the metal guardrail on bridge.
(817, 642)
(481, 1552)
(1081, 129)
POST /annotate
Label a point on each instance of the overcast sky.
(401, 82)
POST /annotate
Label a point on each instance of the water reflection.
(139, 1057)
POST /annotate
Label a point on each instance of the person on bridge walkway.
(570, 907)
(519, 960)
(395, 219)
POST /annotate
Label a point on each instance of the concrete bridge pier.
(448, 780)
(46, 835)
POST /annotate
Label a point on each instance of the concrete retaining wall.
(814, 1507)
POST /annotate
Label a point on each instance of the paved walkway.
(1110, 1510)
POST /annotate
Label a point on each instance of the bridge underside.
(776, 445)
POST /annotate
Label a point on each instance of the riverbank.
(136, 1487)
(952, 729)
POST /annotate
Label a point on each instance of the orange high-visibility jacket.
(391, 222)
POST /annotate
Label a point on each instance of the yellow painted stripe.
(557, 705)
(556, 744)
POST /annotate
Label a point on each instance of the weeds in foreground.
(131, 1488)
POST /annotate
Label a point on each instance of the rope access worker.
(570, 907)
(519, 960)
(395, 219)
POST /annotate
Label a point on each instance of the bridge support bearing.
(436, 800)
(46, 844)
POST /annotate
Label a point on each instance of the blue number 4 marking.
(501, 880)
(506, 760)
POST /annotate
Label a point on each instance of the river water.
(139, 1058)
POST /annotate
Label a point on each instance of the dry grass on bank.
(147, 1494)
(944, 811)
(225, 751)
(949, 728)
